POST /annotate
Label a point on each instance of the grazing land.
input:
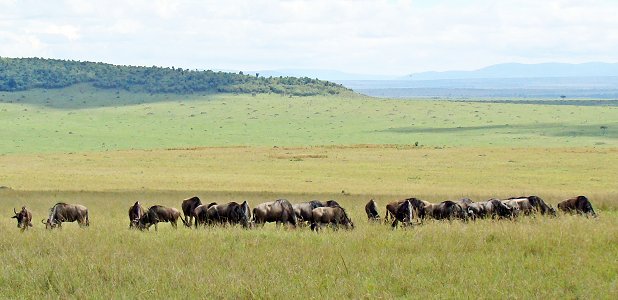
(160, 149)
(81, 118)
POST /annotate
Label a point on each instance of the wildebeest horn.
(43, 221)
(14, 211)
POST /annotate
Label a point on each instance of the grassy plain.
(565, 257)
(346, 148)
(82, 119)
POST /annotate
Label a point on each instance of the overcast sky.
(370, 37)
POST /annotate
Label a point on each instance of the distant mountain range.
(499, 71)
(516, 70)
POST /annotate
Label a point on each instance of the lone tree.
(562, 96)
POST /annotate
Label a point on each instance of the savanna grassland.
(83, 145)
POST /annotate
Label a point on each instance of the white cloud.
(357, 36)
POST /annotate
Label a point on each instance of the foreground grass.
(565, 257)
(58, 123)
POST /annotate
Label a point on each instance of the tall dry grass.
(564, 257)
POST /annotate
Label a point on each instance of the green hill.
(20, 74)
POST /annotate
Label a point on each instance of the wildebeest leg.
(156, 227)
(173, 222)
(394, 225)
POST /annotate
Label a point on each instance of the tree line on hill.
(19, 74)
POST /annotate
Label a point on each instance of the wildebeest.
(476, 210)
(495, 208)
(417, 206)
(537, 204)
(62, 212)
(444, 210)
(279, 211)
(579, 204)
(135, 213)
(304, 210)
(403, 213)
(159, 213)
(330, 215)
(330, 203)
(188, 209)
(232, 213)
(519, 205)
(24, 218)
(371, 209)
(201, 214)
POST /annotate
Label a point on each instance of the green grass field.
(108, 153)
(165, 121)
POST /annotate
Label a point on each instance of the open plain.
(163, 149)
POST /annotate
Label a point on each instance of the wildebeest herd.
(315, 214)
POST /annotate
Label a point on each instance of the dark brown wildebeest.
(371, 209)
(403, 214)
(188, 209)
(232, 213)
(579, 204)
(304, 210)
(495, 208)
(200, 213)
(330, 215)
(24, 218)
(279, 211)
(476, 210)
(417, 206)
(135, 213)
(159, 213)
(445, 210)
(62, 212)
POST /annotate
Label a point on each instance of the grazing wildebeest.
(279, 211)
(159, 213)
(232, 213)
(371, 209)
(476, 210)
(519, 205)
(417, 206)
(464, 202)
(496, 208)
(135, 213)
(538, 205)
(579, 204)
(403, 214)
(330, 215)
(24, 218)
(188, 209)
(200, 213)
(445, 210)
(304, 210)
(62, 212)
